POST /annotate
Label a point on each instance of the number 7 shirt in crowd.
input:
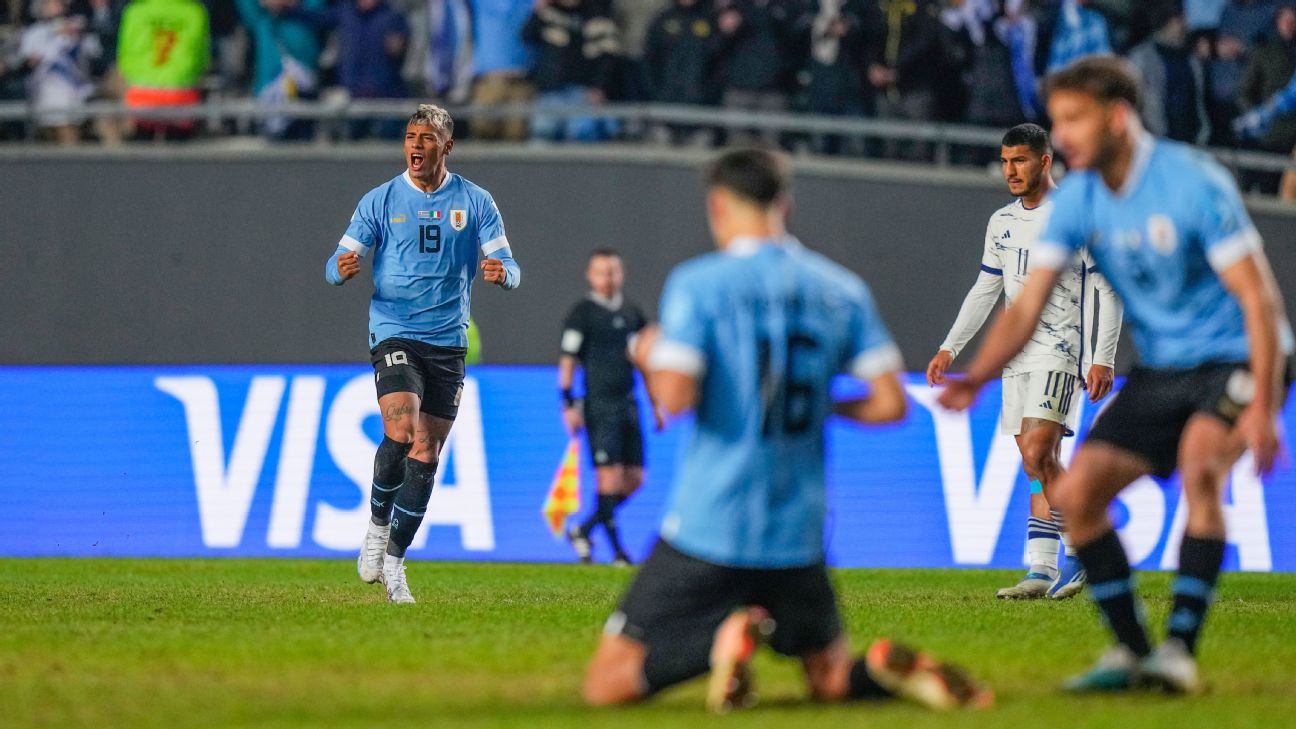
(763, 327)
(426, 249)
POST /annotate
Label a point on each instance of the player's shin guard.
(1194, 587)
(389, 474)
(1112, 587)
(411, 504)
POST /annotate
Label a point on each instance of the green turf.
(210, 643)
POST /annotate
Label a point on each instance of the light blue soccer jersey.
(1161, 241)
(764, 327)
(426, 247)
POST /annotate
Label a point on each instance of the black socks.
(411, 504)
(1194, 587)
(1112, 588)
(389, 474)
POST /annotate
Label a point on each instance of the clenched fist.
(348, 265)
(493, 271)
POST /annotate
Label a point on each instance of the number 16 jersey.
(763, 327)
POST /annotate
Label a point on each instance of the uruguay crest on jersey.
(458, 219)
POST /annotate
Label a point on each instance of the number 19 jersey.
(763, 327)
(426, 247)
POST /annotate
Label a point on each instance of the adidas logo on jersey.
(1047, 405)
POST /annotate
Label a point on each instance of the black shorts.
(1148, 414)
(614, 433)
(676, 602)
(435, 374)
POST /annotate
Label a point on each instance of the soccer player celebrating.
(428, 229)
(597, 335)
(1040, 383)
(750, 338)
(1167, 227)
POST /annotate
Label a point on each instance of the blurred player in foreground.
(1167, 227)
(597, 335)
(428, 229)
(750, 338)
(1040, 383)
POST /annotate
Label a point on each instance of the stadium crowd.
(1206, 63)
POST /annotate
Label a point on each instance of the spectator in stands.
(634, 18)
(286, 50)
(57, 52)
(913, 66)
(501, 65)
(1001, 40)
(1078, 31)
(832, 81)
(164, 50)
(372, 38)
(1174, 87)
(1203, 16)
(443, 57)
(576, 47)
(757, 55)
(1272, 65)
(1267, 93)
(680, 51)
(1242, 23)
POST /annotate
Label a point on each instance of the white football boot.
(393, 576)
(369, 564)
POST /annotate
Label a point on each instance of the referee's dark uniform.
(597, 333)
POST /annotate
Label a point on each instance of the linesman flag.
(564, 493)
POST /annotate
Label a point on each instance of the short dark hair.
(604, 252)
(1105, 78)
(1028, 135)
(758, 175)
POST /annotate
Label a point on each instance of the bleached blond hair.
(433, 116)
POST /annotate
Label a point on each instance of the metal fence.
(245, 116)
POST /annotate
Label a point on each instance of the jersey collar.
(611, 304)
(410, 181)
(1143, 144)
(745, 246)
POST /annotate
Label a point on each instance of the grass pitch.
(266, 643)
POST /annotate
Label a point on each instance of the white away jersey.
(1059, 340)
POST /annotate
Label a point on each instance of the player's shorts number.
(429, 238)
(396, 358)
(789, 401)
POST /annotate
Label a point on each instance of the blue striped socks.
(1043, 541)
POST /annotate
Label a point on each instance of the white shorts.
(1042, 394)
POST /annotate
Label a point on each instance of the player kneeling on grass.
(1166, 225)
(1040, 384)
(750, 338)
(430, 231)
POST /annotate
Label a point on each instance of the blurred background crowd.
(1212, 68)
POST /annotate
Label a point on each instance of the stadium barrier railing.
(943, 140)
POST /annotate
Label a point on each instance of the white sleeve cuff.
(351, 244)
(875, 362)
(571, 341)
(1233, 249)
(1050, 255)
(500, 243)
(677, 357)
